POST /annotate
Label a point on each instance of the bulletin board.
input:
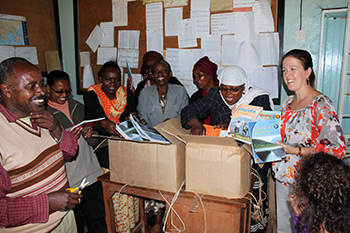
(41, 19)
(89, 13)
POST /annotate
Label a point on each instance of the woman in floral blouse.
(309, 125)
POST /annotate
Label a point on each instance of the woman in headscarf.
(233, 89)
(204, 77)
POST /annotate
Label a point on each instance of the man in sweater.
(33, 145)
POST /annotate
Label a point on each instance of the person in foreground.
(85, 165)
(33, 145)
(162, 101)
(309, 125)
(321, 199)
(111, 100)
(218, 103)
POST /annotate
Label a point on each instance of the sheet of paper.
(172, 56)
(128, 39)
(175, 3)
(136, 79)
(248, 56)
(108, 32)
(173, 20)
(187, 38)
(200, 12)
(221, 5)
(95, 38)
(223, 23)
(128, 55)
(243, 3)
(6, 52)
(244, 26)
(188, 57)
(151, 1)
(263, 20)
(269, 48)
(229, 50)
(265, 78)
(212, 46)
(52, 60)
(154, 16)
(106, 54)
(88, 77)
(120, 12)
(85, 59)
(28, 53)
(155, 41)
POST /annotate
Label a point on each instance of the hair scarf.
(112, 108)
(236, 76)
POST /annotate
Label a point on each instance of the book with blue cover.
(263, 137)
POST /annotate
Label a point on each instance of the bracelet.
(299, 151)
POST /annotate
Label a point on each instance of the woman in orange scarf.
(108, 99)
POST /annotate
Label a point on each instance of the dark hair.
(323, 186)
(305, 58)
(7, 68)
(150, 55)
(162, 62)
(107, 65)
(56, 75)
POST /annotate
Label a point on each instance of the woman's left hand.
(88, 133)
(76, 132)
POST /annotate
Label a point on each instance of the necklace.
(162, 101)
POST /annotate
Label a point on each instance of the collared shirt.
(34, 209)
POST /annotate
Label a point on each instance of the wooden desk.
(222, 215)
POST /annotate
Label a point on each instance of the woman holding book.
(309, 124)
(218, 103)
(108, 99)
(85, 165)
(111, 100)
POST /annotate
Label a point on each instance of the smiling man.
(33, 145)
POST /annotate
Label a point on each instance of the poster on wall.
(13, 30)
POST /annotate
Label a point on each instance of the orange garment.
(112, 108)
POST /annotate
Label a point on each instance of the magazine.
(127, 132)
(88, 123)
(240, 117)
(263, 136)
(146, 133)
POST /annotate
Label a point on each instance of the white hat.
(233, 76)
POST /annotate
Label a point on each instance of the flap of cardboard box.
(171, 129)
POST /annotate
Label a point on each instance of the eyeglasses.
(236, 89)
(62, 91)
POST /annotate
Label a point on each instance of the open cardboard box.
(148, 164)
(214, 165)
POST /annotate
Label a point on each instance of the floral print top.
(316, 125)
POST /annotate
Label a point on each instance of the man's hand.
(63, 200)
(46, 119)
(76, 131)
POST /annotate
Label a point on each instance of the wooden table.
(222, 214)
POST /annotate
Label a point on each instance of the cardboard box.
(214, 165)
(146, 164)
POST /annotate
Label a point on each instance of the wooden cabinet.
(219, 214)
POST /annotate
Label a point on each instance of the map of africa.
(12, 32)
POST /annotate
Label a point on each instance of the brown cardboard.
(215, 165)
(149, 165)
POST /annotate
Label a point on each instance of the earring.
(243, 92)
(307, 81)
